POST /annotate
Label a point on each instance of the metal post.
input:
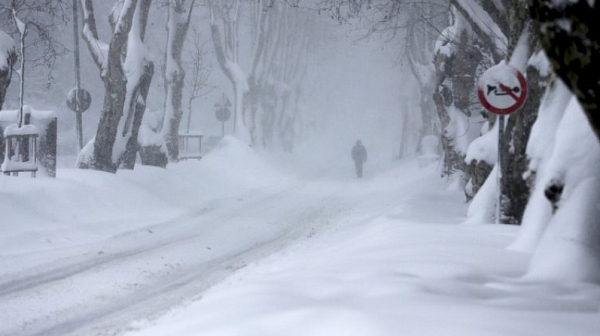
(499, 211)
(223, 128)
(22, 73)
(79, 121)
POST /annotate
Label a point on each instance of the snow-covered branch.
(484, 26)
(97, 48)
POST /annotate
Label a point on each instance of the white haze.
(354, 93)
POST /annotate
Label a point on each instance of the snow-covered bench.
(46, 123)
(20, 150)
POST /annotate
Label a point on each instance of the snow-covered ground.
(236, 244)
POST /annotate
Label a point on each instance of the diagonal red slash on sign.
(490, 81)
(508, 91)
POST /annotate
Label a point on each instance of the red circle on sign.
(519, 101)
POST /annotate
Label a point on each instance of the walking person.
(359, 155)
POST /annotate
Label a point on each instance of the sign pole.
(499, 209)
(223, 114)
(79, 121)
(502, 90)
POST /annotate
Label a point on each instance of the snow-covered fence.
(190, 146)
(46, 123)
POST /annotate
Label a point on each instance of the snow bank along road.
(133, 265)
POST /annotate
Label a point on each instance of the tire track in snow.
(22, 282)
(23, 287)
(161, 288)
(188, 283)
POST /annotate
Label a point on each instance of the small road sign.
(79, 100)
(223, 114)
(502, 89)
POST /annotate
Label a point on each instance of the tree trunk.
(515, 188)
(179, 22)
(226, 52)
(132, 147)
(569, 33)
(115, 89)
(518, 128)
(102, 155)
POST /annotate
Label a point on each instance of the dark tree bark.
(115, 86)
(515, 188)
(139, 107)
(6, 73)
(574, 51)
(115, 89)
(122, 111)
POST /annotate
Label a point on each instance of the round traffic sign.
(79, 100)
(502, 89)
(223, 114)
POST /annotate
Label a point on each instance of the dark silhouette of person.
(359, 155)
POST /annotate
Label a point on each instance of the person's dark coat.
(359, 152)
(359, 155)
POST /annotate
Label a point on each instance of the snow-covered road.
(99, 285)
(238, 245)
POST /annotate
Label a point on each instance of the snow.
(38, 118)
(133, 66)
(20, 24)
(86, 153)
(147, 136)
(482, 209)
(241, 244)
(462, 130)
(521, 53)
(126, 7)
(484, 148)
(429, 151)
(11, 166)
(410, 271)
(539, 150)
(567, 249)
(540, 61)
(446, 43)
(15, 130)
(36, 115)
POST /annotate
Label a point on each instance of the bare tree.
(180, 14)
(225, 17)
(201, 68)
(126, 73)
(279, 68)
(42, 17)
